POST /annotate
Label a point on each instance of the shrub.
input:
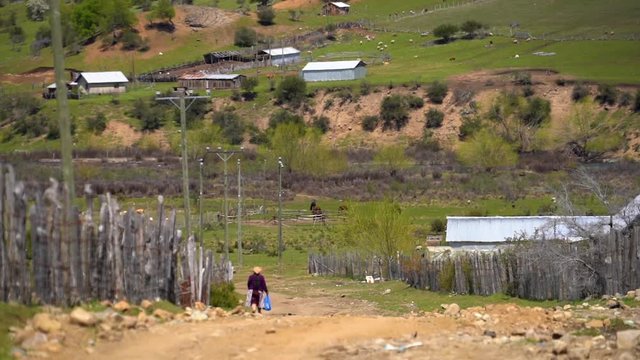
(37, 9)
(328, 104)
(471, 26)
(365, 88)
(579, 92)
(321, 123)
(636, 103)
(434, 118)
(487, 151)
(370, 123)
(248, 88)
(224, 295)
(536, 111)
(561, 82)
(292, 90)
(346, 95)
(445, 31)
(394, 112)
(414, 102)
(438, 226)
(470, 125)
(625, 99)
(97, 124)
(245, 37)
(462, 96)
(437, 91)
(522, 78)
(131, 40)
(607, 94)
(528, 91)
(231, 125)
(284, 116)
(266, 15)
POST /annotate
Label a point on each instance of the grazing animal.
(452, 59)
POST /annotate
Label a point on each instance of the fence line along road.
(119, 255)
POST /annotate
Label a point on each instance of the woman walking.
(257, 290)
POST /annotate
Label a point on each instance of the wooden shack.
(204, 80)
(336, 8)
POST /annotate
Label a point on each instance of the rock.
(594, 324)
(220, 312)
(452, 310)
(567, 307)
(559, 347)
(557, 334)
(613, 304)
(198, 315)
(387, 291)
(104, 327)
(631, 294)
(145, 304)
(104, 315)
(238, 310)
(129, 322)
(518, 332)
(637, 294)
(628, 339)
(23, 334)
(578, 353)
(626, 356)
(45, 323)
(53, 347)
(142, 317)
(34, 341)
(270, 331)
(558, 316)
(163, 314)
(122, 306)
(82, 317)
(106, 303)
(200, 306)
(490, 333)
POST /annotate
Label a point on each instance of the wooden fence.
(101, 253)
(534, 270)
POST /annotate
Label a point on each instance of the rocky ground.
(333, 327)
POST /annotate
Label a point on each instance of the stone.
(34, 341)
(558, 316)
(637, 294)
(23, 334)
(82, 317)
(452, 310)
(613, 304)
(53, 347)
(626, 356)
(129, 322)
(627, 339)
(559, 347)
(104, 327)
(142, 317)
(238, 310)
(106, 303)
(490, 333)
(45, 323)
(631, 294)
(163, 314)
(578, 353)
(594, 324)
(104, 315)
(567, 307)
(145, 304)
(122, 306)
(270, 331)
(200, 306)
(198, 315)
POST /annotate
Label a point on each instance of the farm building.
(282, 56)
(231, 55)
(334, 70)
(107, 82)
(487, 232)
(336, 8)
(204, 80)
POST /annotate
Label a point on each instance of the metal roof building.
(334, 70)
(336, 8)
(106, 82)
(282, 56)
(204, 80)
(479, 232)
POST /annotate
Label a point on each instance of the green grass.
(12, 315)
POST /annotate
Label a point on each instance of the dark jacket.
(257, 282)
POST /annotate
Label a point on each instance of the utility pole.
(201, 162)
(280, 244)
(225, 155)
(239, 215)
(182, 96)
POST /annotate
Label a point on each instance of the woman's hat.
(257, 269)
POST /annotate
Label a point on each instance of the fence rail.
(534, 270)
(49, 257)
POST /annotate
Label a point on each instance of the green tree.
(380, 228)
(245, 37)
(266, 15)
(16, 35)
(231, 124)
(97, 124)
(284, 116)
(590, 135)
(118, 15)
(292, 90)
(487, 151)
(248, 87)
(445, 31)
(87, 17)
(536, 111)
(392, 158)
(394, 112)
(37, 9)
(284, 142)
(471, 27)
(164, 11)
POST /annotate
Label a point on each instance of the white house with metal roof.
(106, 82)
(282, 56)
(336, 8)
(487, 232)
(334, 70)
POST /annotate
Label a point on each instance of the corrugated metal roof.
(208, 76)
(104, 77)
(340, 4)
(333, 65)
(282, 51)
(501, 228)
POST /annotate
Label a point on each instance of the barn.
(204, 80)
(334, 70)
(336, 8)
(282, 56)
(106, 82)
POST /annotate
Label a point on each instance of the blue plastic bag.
(267, 303)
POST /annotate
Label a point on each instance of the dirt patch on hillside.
(123, 134)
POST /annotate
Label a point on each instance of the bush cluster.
(437, 91)
(434, 118)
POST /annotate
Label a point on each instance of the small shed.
(221, 56)
(204, 80)
(334, 70)
(282, 56)
(336, 8)
(106, 82)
